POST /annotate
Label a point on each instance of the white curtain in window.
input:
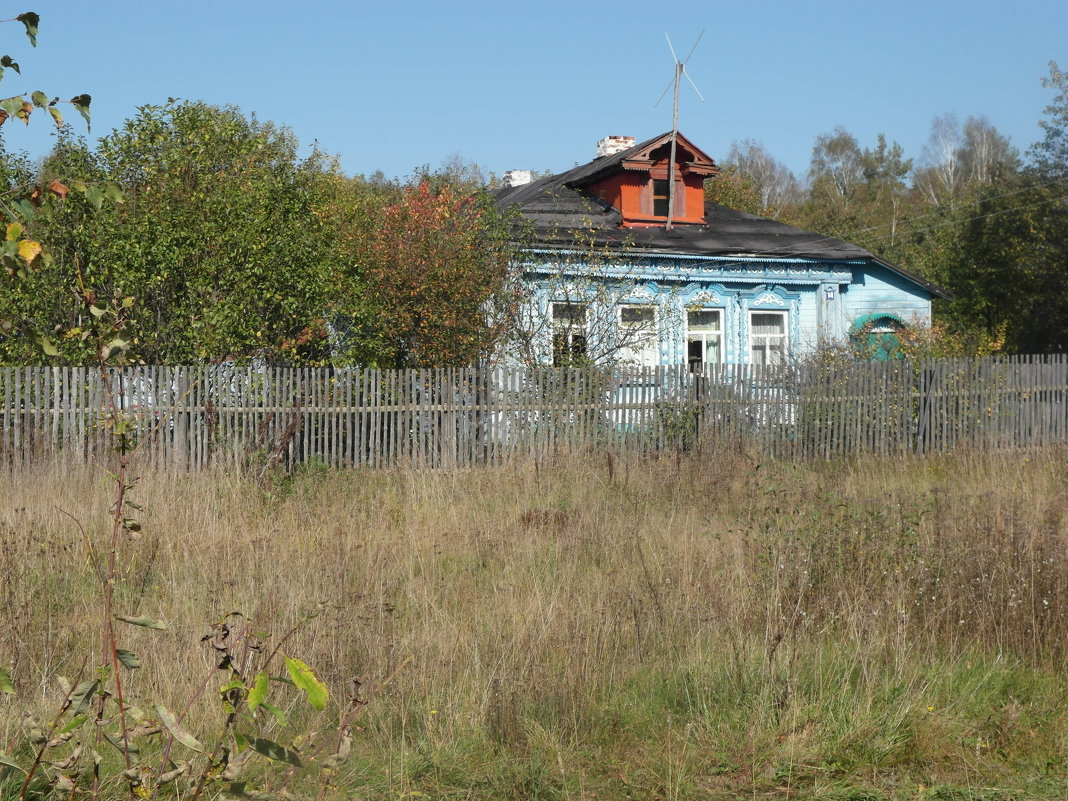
(768, 337)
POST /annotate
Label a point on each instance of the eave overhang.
(629, 265)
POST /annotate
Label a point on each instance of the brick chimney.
(516, 178)
(611, 145)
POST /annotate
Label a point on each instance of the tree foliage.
(228, 246)
(956, 158)
(1050, 155)
(218, 240)
(1003, 257)
(426, 274)
(837, 166)
(857, 193)
(1000, 242)
(757, 171)
(735, 189)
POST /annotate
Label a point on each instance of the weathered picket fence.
(191, 417)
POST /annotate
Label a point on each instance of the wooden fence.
(191, 417)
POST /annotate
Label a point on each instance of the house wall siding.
(822, 299)
(878, 290)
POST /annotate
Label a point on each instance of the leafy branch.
(20, 106)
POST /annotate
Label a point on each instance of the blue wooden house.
(624, 260)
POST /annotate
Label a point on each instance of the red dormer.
(636, 182)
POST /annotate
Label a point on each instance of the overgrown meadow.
(701, 627)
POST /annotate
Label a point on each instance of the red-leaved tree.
(426, 268)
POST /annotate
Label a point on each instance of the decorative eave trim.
(738, 267)
(636, 159)
(639, 255)
(691, 167)
(732, 271)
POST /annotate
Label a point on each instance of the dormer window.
(637, 183)
(657, 200)
(660, 198)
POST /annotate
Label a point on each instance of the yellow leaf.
(29, 250)
(14, 231)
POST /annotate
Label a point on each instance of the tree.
(836, 167)
(734, 189)
(1003, 257)
(1050, 156)
(885, 167)
(774, 182)
(466, 174)
(424, 271)
(956, 158)
(941, 157)
(1001, 246)
(986, 154)
(218, 242)
(39, 307)
(859, 194)
(885, 170)
(835, 176)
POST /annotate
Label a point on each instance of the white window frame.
(702, 334)
(569, 331)
(783, 338)
(639, 341)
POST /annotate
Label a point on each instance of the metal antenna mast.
(680, 71)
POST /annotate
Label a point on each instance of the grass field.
(705, 627)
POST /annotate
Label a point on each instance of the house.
(623, 259)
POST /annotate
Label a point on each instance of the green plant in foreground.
(100, 740)
(102, 744)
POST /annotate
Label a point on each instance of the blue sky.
(396, 85)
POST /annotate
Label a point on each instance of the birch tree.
(941, 159)
(986, 154)
(774, 182)
(836, 167)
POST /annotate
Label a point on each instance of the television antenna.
(676, 81)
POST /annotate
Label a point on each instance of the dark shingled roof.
(557, 213)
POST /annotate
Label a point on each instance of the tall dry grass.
(683, 628)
